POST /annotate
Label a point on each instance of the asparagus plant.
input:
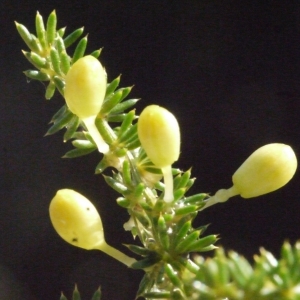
(136, 157)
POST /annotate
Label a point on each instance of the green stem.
(221, 196)
(116, 254)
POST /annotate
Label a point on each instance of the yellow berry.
(85, 87)
(159, 135)
(265, 170)
(76, 220)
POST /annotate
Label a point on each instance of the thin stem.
(93, 131)
(116, 254)
(168, 180)
(221, 196)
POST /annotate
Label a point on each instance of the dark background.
(229, 71)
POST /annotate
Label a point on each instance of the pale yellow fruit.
(76, 220)
(85, 87)
(159, 134)
(265, 170)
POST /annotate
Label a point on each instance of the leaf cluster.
(231, 276)
(48, 53)
(76, 295)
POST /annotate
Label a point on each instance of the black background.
(229, 71)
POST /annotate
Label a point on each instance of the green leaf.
(55, 60)
(105, 130)
(209, 248)
(80, 135)
(59, 113)
(145, 284)
(207, 271)
(223, 268)
(287, 254)
(147, 262)
(185, 209)
(110, 88)
(96, 53)
(116, 185)
(37, 75)
(173, 276)
(133, 145)
(61, 32)
(130, 132)
(126, 173)
(183, 180)
(269, 258)
(111, 101)
(71, 128)
(29, 39)
(190, 183)
(37, 60)
(184, 244)
(163, 233)
(116, 118)
(211, 270)
(80, 49)
(65, 62)
(50, 90)
(139, 250)
(121, 107)
(60, 122)
(142, 218)
(189, 264)
(28, 57)
(25, 34)
(177, 294)
(102, 165)
(159, 204)
(123, 202)
(76, 294)
(178, 194)
(181, 230)
(78, 152)
(176, 180)
(120, 152)
(207, 293)
(126, 124)
(40, 30)
(59, 45)
(97, 295)
(84, 144)
(63, 297)
(240, 268)
(35, 44)
(202, 243)
(176, 171)
(73, 37)
(60, 84)
(51, 28)
(142, 157)
(196, 199)
(155, 170)
(148, 208)
(125, 92)
(134, 136)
